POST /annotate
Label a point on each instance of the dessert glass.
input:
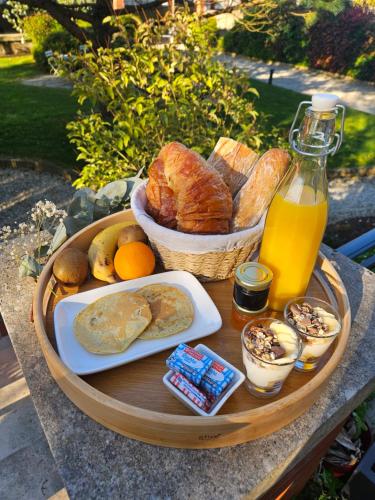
(266, 378)
(314, 345)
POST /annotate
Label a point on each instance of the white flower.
(61, 214)
(22, 227)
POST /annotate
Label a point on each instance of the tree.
(84, 18)
(15, 13)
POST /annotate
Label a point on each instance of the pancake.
(172, 310)
(110, 324)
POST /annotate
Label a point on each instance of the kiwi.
(131, 233)
(71, 267)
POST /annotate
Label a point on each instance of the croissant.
(184, 192)
(203, 200)
(161, 204)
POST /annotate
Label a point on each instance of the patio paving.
(27, 468)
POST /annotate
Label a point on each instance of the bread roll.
(203, 200)
(255, 196)
(234, 161)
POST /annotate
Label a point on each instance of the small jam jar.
(251, 287)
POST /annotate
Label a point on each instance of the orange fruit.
(134, 260)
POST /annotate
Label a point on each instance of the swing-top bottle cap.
(324, 102)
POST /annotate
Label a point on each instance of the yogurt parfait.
(317, 323)
(270, 349)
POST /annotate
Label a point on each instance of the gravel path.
(351, 197)
(50, 81)
(353, 93)
(21, 189)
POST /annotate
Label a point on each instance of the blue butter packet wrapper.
(189, 362)
(216, 379)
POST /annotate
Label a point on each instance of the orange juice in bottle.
(297, 216)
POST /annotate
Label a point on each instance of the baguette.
(255, 196)
(234, 161)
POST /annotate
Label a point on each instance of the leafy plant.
(59, 42)
(49, 227)
(38, 26)
(15, 13)
(359, 415)
(145, 92)
(47, 34)
(364, 67)
(88, 206)
(331, 486)
(284, 40)
(336, 42)
(30, 249)
(331, 35)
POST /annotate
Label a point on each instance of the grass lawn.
(33, 119)
(357, 149)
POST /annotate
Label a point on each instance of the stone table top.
(95, 462)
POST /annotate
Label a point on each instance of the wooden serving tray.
(132, 399)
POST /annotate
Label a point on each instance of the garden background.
(334, 35)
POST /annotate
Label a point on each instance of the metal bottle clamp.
(339, 135)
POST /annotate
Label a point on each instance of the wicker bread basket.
(208, 257)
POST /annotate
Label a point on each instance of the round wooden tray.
(132, 399)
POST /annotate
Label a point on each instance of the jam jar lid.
(253, 276)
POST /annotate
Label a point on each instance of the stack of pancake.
(110, 324)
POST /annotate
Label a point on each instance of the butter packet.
(189, 362)
(216, 379)
(189, 389)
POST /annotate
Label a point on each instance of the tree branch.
(69, 10)
(140, 6)
(63, 15)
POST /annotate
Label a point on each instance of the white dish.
(207, 320)
(237, 380)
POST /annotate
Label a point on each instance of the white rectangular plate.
(237, 380)
(207, 320)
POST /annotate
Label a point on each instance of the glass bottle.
(297, 216)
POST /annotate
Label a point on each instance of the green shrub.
(364, 67)
(60, 42)
(136, 97)
(336, 42)
(38, 26)
(47, 34)
(209, 27)
(335, 36)
(247, 44)
(285, 39)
